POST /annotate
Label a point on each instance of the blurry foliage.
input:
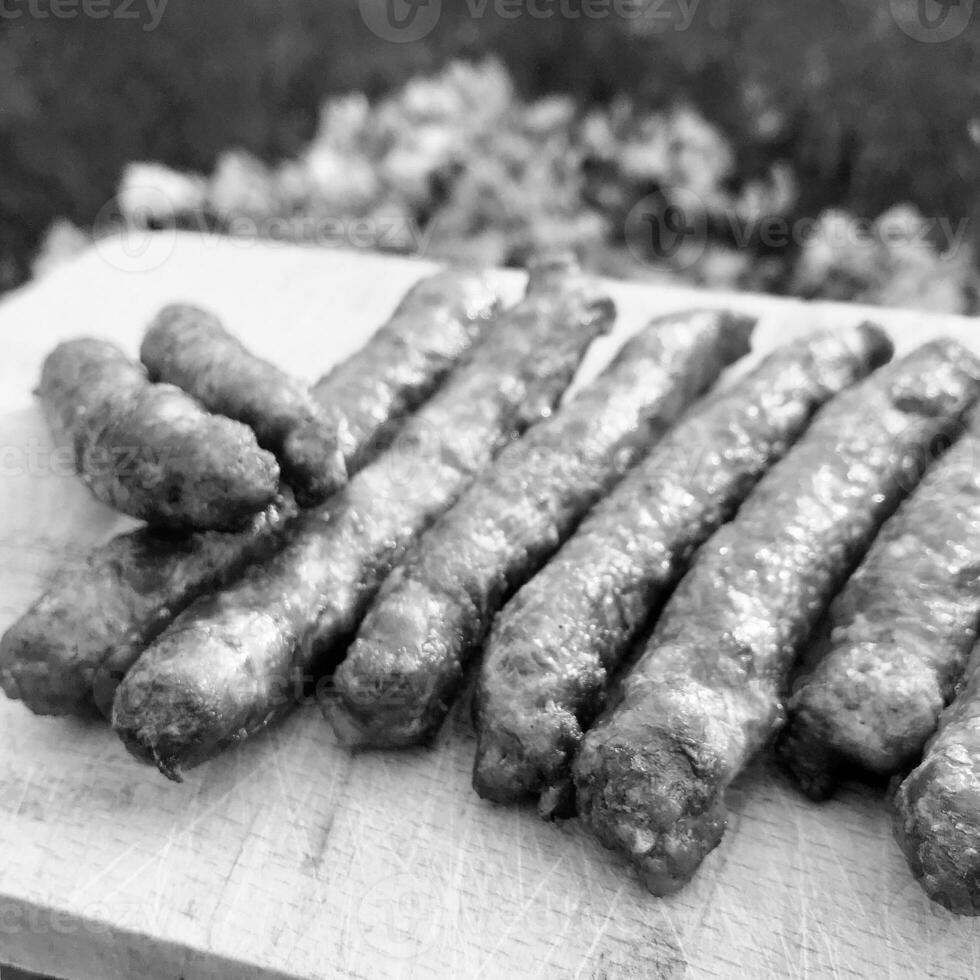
(900, 259)
(459, 165)
(834, 94)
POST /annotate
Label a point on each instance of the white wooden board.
(288, 858)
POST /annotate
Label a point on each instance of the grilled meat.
(188, 347)
(901, 632)
(233, 662)
(705, 695)
(150, 450)
(545, 674)
(406, 665)
(937, 807)
(66, 653)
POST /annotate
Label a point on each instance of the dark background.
(869, 116)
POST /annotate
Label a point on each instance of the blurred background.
(819, 149)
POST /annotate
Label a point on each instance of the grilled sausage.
(150, 450)
(97, 618)
(900, 635)
(406, 665)
(437, 324)
(77, 643)
(937, 807)
(704, 696)
(188, 347)
(229, 664)
(554, 647)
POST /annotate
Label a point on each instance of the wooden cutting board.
(289, 858)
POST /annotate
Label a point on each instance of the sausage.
(233, 662)
(436, 324)
(188, 347)
(554, 646)
(937, 807)
(406, 665)
(705, 695)
(64, 654)
(77, 643)
(900, 632)
(150, 450)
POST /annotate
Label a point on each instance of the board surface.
(290, 858)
